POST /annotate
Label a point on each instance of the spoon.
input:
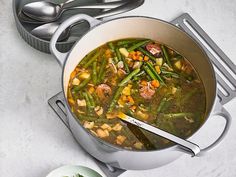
(187, 145)
(48, 11)
(46, 31)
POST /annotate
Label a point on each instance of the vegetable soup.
(141, 78)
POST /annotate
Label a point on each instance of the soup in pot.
(141, 78)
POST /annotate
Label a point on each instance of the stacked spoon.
(47, 14)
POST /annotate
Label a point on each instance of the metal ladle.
(188, 146)
(46, 31)
(48, 11)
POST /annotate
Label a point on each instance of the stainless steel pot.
(137, 27)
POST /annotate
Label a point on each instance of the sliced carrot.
(133, 107)
(155, 83)
(71, 101)
(77, 69)
(146, 58)
(144, 83)
(73, 74)
(131, 54)
(123, 98)
(108, 53)
(91, 90)
(140, 58)
(139, 53)
(130, 100)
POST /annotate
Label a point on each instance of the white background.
(32, 139)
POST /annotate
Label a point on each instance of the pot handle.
(61, 57)
(224, 114)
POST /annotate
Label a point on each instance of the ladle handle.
(61, 57)
(186, 145)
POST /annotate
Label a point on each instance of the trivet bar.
(57, 104)
(224, 67)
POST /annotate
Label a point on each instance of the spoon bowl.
(45, 31)
(42, 11)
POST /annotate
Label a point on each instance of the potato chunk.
(117, 127)
(102, 133)
(120, 139)
(88, 125)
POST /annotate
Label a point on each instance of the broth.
(141, 78)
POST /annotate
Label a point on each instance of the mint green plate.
(72, 171)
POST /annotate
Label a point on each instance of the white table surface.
(32, 139)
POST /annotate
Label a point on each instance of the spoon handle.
(187, 145)
(107, 5)
(67, 4)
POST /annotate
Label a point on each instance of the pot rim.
(175, 146)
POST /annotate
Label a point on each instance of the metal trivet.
(224, 67)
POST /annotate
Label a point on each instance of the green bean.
(129, 77)
(104, 120)
(111, 46)
(102, 76)
(137, 45)
(87, 118)
(177, 57)
(115, 99)
(88, 103)
(136, 78)
(172, 74)
(147, 53)
(87, 57)
(166, 55)
(178, 115)
(125, 64)
(81, 85)
(170, 127)
(125, 42)
(140, 74)
(166, 105)
(96, 98)
(94, 73)
(130, 113)
(161, 105)
(149, 72)
(102, 69)
(188, 95)
(78, 175)
(91, 100)
(158, 77)
(118, 54)
(92, 60)
(115, 59)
